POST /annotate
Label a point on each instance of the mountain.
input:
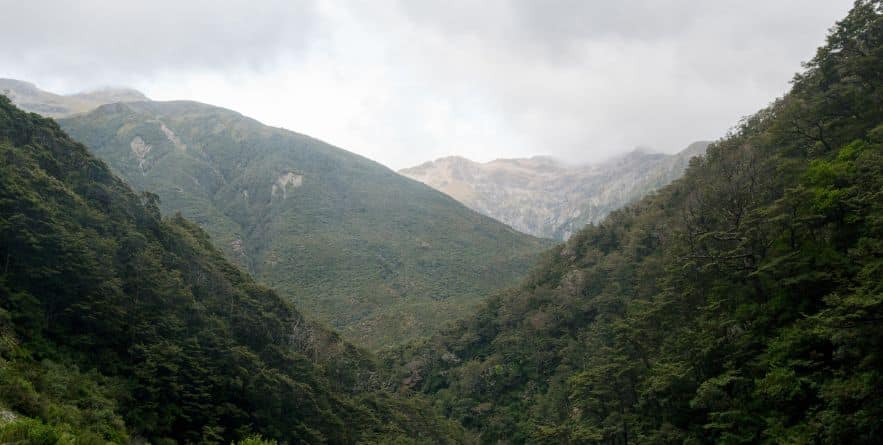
(380, 257)
(30, 98)
(119, 326)
(741, 304)
(546, 198)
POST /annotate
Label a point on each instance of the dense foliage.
(742, 304)
(380, 257)
(117, 324)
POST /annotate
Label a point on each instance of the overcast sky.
(403, 82)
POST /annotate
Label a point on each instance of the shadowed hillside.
(379, 256)
(741, 304)
(116, 324)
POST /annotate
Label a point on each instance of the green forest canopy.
(380, 257)
(116, 324)
(741, 304)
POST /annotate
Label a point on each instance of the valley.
(177, 272)
(381, 258)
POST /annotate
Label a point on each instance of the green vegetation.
(380, 257)
(117, 325)
(741, 304)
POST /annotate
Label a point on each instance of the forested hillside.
(380, 257)
(741, 304)
(117, 325)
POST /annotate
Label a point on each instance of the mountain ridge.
(120, 326)
(31, 98)
(546, 197)
(378, 256)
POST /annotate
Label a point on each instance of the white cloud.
(404, 82)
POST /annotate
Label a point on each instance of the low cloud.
(121, 40)
(407, 81)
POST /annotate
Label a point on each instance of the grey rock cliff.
(546, 198)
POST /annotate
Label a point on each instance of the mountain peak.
(114, 94)
(545, 197)
(16, 85)
(28, 96)
(302, 214)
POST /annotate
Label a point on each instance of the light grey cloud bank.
(404, 82)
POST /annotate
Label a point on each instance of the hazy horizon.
(409, 82)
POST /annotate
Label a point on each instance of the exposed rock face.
(546, 198)
(172, 137)
(236, 245)
(7, 416)
(140, 149)
(288, 179)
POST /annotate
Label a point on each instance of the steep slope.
(116, 324)
(741, 304)
(548, 199)
(379, 256)
(30, 98)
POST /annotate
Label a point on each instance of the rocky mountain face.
(30, 98)
(547, 198)
(380, 257)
